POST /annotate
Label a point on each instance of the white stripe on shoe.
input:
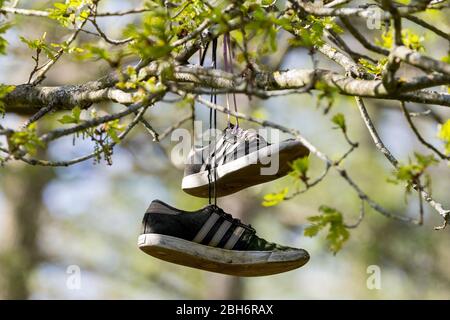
(220, 233)
(237, 234)
(206, 227)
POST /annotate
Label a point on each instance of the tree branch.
(423, 62)
(418, 135)
(26, 97)
(380, 145)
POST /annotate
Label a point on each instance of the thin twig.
(58, 133)
(426, 25)
(362, 39)
(45, 163)
(418, 135)
(38, 115)
(362, 212)
(105, 37)
(41, 75)
(122, 136)
(309, 185)
(124, 13)
(170, 129)
(41, 13)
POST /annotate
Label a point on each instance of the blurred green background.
(89, 215)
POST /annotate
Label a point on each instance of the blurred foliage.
(4, 90)
(412, 172)
(444, 135)
(410, 39)
(3, 28)
(372, 68)
(27, 139)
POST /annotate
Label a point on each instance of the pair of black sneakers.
(211, 239)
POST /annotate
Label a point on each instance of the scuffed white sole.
(233, 262)
(245, 171)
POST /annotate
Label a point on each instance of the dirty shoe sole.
(231, 262)
(245, 171)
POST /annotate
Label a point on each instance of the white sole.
(233, 262)
(245, 171)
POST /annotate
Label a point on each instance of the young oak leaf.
(410, 40)
(411, 172)
(337, 232)
(113, 128)
(28, 139)
(339, 120)
(40, 45)
(300, 168)
(273, 199)
(73, 118)
(3, 43)
(375, 69)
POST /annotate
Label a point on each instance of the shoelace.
(243, 134)
(229, 217)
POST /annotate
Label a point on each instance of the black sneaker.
(213, 240)
(240, 156)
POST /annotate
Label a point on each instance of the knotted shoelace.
(230, 218)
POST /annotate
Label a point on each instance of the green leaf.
(4, 90)
(387, 39)
(446, 58)
(40, 45)
(300, 168)
(114, 136)
(112, 129)
(70, 12)
(3, 42)
(412, 171)
(337, 232)
(73, 118)
(27, 139)
(98, 51)
(273, 199)
(410, 39)
(444, 135)
(375, 69)
(66, 120)
(312, 230)
(152, 39)
(76, 112)
(425, 160)
(339, 120)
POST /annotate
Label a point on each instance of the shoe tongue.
(218, 210)
(213, 208)
(235, 131)
(230, 129)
